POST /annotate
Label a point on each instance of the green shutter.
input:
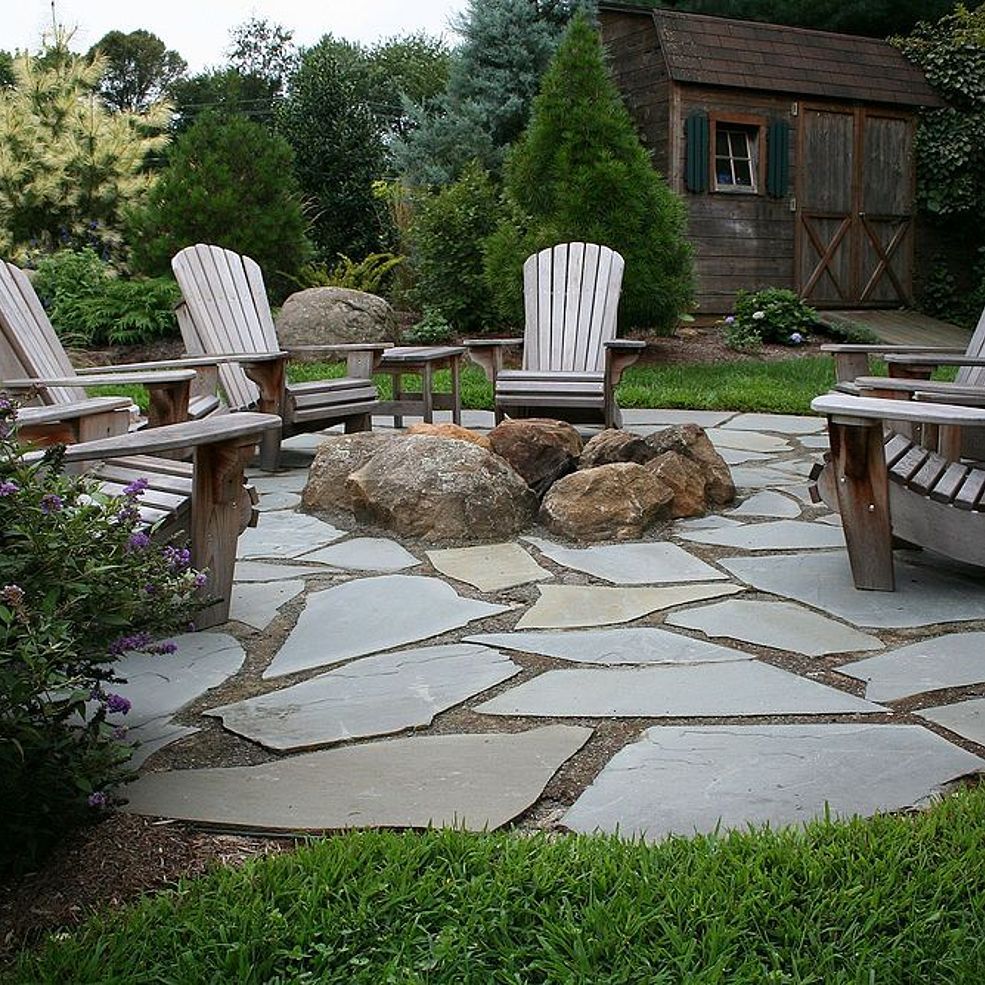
(778, 158)
(696, 169)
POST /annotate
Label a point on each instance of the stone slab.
(966, 718)
(928, 591)
(373, 696)
(778, 423)
(489, 567)
(954, 660)
(780, 625)
(268, 483)
(687, 779)
(257, 604)
(751, 477)
(747, 441)
(732, 456)
(741, 688)
(766, 502)
(286, 535)
(365, 554)
(776, 535)
(637, 645)
(254, 571)
(646, 563)
(574, 606)
(368, 615)
(817, 442)
(477, 782)
(799, 467)
(709, 522)
(278, 501)
(153, 736)
(667, 417)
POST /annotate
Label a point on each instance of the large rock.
(539, 449)
(337, 457)
(691, 441)
(423, 486)
(451, 431)
(334, 316)
(611, 502)
(685, 478)
(611, 446)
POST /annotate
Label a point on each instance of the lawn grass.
(888, 900)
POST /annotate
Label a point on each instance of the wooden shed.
(793, 151)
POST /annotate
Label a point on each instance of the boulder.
(337, 457)
(539, 449)
(610, 502)
(451, 431)
(613, 445)
(691, 441)
(441, 490)
(334, 316)
(685, 478)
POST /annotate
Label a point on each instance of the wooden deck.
(903, 327)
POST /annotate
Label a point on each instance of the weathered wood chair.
(226, 311)
(207, 499)
(887, 486)
(572, 359)
(32, 358)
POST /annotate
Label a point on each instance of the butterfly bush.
(81, 583)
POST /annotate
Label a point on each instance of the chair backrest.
(974, 375)
(229, 312)
(29, 346)
(570, 299)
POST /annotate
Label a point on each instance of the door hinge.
(793, 203)
(794, 108)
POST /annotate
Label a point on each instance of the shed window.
(736, 157)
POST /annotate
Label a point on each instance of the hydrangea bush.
(770, 315)
(80, 584)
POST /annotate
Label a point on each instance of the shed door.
(855, 201)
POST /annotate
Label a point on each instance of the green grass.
(889, 900)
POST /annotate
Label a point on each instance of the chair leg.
(360, 422)
(270, 450)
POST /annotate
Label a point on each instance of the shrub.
(367, 275)
(79, 585)
(771, 315)
(229, 182)
(432, 329)
(88, 305)
(446, 236)
(580, 173)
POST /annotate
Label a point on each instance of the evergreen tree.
(493, 78)
(580, 173)
(228, 182)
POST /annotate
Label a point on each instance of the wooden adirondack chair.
(206, 499)
(32, 358)
(572, 359)
(887, 486)
(226, 311)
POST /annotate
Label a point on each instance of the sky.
(199, 29)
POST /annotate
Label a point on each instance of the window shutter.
(778, 160)
(696, 167)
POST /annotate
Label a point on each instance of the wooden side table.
(400, 360)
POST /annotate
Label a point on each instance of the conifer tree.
(580, 173)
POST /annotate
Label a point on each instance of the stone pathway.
(610, 687)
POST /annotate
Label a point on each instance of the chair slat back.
(229, 312)
(30, 347)
(571, 299)
(974, 375)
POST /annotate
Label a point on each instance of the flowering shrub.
(80, 584)
(770, 315)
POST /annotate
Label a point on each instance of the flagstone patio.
(611, 687)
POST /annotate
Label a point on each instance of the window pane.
(743, 174)
(723, 171)
(740, 144)
(721, 143)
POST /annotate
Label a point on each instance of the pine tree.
(580, 173)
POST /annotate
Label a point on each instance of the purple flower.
(178, 558)
(116, 703)
(136, 641)
(50, 503)
(12, 595)
(201, 579)
(729, 319)
(796, 338)
(166, 647)
(135, 488)
(120, 733)
(138, 541)
(8, 488)
(97, 799)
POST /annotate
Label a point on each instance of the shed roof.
(776, 58)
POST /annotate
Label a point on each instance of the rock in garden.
(334, 316)
(440, 490)
(451, 431)
(337, 457)
(691, 441)
(611, 502)
(613, 445)
(540, 449)
(685, 478)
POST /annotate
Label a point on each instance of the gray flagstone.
(780, 423)
(966, 718)
(489, 567)
(285, 535)
(768, 503)
(257, 603)
(775, 535)
(365, 554)
(252, 571)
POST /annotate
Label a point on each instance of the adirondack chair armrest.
(183, 362)
(842, 407)
(852, 360)
(619, 355)
(362, 359)
(968, 397)
(80, 420)
(941, 359)
(901, 388)
(148, 379)
(488, 353)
